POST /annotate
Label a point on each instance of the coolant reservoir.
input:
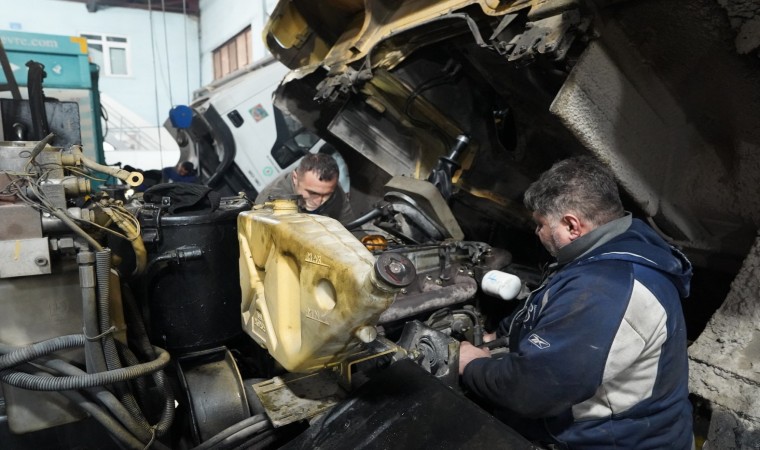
(310, 289)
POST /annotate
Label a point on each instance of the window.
(111, 53)
(233, 54)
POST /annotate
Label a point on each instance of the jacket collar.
(593, 239)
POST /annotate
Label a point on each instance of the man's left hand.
(468, 352)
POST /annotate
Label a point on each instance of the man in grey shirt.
(316, 181)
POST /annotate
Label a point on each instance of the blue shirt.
(170, 174)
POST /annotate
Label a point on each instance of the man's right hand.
(488, 337)
(468, 353)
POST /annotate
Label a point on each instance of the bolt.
(366, 334)
(404, 291)
(438, 282)
(40, 261)
(395, 267)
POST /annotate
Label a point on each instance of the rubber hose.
(34, 351)
(371, 214)
(477, 335)
(242, 435)
(112, 361)
(31, 382)
(260, 441)
(125, 393)
(135, 323)
(15, 356)
(113, 427)
(35, 75)
(141, 384)
(160, 380)
(106, 398)
(143, 344)
(116, 430)
(93, 349)
(215, 440)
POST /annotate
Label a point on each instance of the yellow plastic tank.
(310, 289)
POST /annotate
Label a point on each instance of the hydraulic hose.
(109, 423)
(247, 426)
(35, 75)
(139, 384)
(36, 383)
(477, 328)
(112, 426)
(107, 399)
(265, 439)
(143, 345)
(138, 333)
(162, 384)
(112, 361)
(359, 221)
(14, 357)
(118, 432)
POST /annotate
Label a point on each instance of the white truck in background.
(237, 139)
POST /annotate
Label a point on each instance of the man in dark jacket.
(315, 180)
(184, 172)
(597, 356)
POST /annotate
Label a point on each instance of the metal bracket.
(150, 220)
(377, 348)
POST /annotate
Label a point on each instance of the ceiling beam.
(189, 7)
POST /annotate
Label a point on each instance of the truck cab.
(239, 139)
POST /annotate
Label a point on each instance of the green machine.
(70, 84)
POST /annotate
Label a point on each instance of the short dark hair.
(581, 185)
(323, 165)
(187, 165)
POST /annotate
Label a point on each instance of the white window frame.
(107, 47)
(242, 57)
